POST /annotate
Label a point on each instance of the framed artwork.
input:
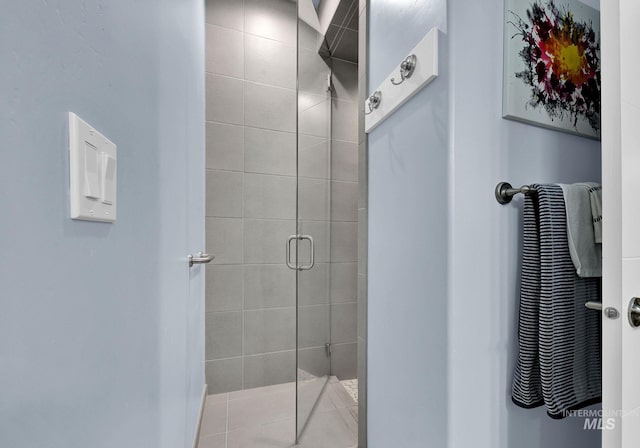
(552, 65)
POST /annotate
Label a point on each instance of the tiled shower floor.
(351, 386)
(265, 418)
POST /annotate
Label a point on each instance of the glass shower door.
(313, 216)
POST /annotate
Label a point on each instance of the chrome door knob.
(634, 312)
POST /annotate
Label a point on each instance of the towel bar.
(505, 192)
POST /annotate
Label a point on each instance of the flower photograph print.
(552, 65)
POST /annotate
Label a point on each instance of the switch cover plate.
(92, 159)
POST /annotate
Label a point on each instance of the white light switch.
(108, 179)
(93, 168)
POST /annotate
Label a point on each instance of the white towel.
(586, 254)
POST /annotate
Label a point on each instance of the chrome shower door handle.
(312, 261)
(200, 258)
(290, 265)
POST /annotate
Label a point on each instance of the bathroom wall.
(433, 167)
(407, 340)
(251, 198)
(94, 316)
(486, 240)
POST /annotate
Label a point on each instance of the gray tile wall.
(363, 204)
(344, 219)
(251, 193)
(251, 199)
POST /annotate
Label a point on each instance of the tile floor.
(265, 418)
(351, 387)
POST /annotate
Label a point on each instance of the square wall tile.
(267, 196)
(269, 107)
(223, 335)
(265, 240)
(313, 156)
(344, 282)
(344, 361)
(314, 114)
(313, 285)
(344, 121)
(313, 326)
(224, 287)
(308, 37)
(344, 161)
(344, 322)
(270, 62)
(224, 240)
(224, 375)
(345, 79)
(224, 194)
(225, 147)
(313, 199)
(269, 330)
(313, 71)
(269, 286)
(273, 19)
(273, 368)
(320, 231)
(344, 201)
(224, 98)
(227, 13)
(344, 242)
(224, 51)
(270, 152)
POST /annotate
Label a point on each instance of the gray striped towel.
(559, 363)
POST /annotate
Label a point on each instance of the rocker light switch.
(92, 159)
(91, 170)
(108, 179)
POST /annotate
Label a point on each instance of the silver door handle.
(200, 258)
(609, 312)
(596, 306)
(312, 261)
(290, 265)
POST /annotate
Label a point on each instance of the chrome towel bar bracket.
(505, 192)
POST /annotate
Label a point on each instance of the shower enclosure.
(313, 216)
(281, 200)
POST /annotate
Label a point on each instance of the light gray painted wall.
(92, 328)
(442, 155)
(486, 240)
(408, 249)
